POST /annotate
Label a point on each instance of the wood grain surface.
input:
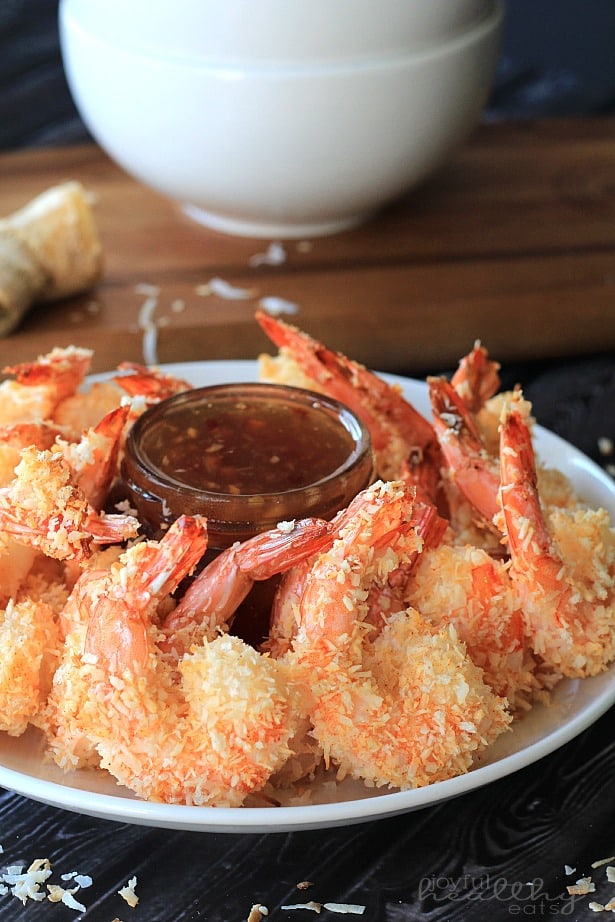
(513, 242)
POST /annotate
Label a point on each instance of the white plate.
(577, 704)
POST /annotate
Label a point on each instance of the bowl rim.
(488, 24)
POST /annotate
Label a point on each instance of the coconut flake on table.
(147, 323)
(26, 885)
(128, 892)
(343, 908)
(59, 894)
(274, 255)
(276, 306)
(582, 887)
(601, 861)
(224, 289)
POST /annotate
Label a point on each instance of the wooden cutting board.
(513, 243)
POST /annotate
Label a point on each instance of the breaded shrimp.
(207, 728)
(14, 437)
(563, 569)
(467, 588)
(43, 508)
(30, 645)
(422, 526)
(38, 387)
(399, 705)
(94, 458)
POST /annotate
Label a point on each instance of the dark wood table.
(513, 243)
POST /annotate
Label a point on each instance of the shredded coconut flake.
(276, 306)
(223, 289)
(26, 885)
(343, 908)
(148, 325)
(286, 527)
(150, 291)
(58, 894)
(601, 861)
(582, 887)
(274, 255)
(128, 892)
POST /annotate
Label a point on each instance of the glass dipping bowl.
(246, 456)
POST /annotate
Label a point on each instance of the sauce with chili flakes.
(248, 445)
(246, 456)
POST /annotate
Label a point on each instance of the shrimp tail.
(404, 442)
(116, 631)
(223, 584)
(519, 495)
(469, 465)
(477, 378)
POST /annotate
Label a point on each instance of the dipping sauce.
(247, 456)
(247, 445)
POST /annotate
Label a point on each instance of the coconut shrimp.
(423, 526)
(44, 509)
(151, 384)
(16, 561)
(563, 566)
(208, 728)
(94, 458)
(464, 586)
(38, 387)
(30, 644)
(404, 442)
(477, 378)
(86, 408)
(135, 385)
(16, 436)
(471, 476)
(402, 705)
(470, 469)
(108, 618)
(30, 640)
(216, 593)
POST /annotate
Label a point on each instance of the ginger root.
(49, 249)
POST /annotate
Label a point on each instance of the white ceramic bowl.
(248, 32)
(284, 151)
